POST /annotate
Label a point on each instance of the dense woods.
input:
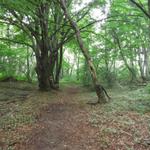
(101, 45)
(113, 45)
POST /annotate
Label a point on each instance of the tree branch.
(141, 8)
(15, 41)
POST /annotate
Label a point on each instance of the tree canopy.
(74, 40)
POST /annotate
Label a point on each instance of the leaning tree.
(48, 26)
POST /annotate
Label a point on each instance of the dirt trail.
(63, 125)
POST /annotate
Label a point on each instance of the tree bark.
(98, 88)
(59, 63)
(78, 66)
(148, 50)
(46, 52)
(141, 64)
(28, 66)
(42, 70)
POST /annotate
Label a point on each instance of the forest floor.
(62, 120)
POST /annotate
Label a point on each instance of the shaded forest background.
(38, 42)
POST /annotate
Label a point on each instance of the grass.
(125, 118)
(124, 122)
(19, 109)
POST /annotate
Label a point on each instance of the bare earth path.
(61, 120)
(63, 125)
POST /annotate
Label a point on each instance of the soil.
(62, 120)
(63, 125)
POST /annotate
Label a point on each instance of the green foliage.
(147, 88)
(108, 77)
(125, 22)
(123, 74)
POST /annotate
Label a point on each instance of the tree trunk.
(78, 63)
(148, 50)
(130, 69)
(140, 63)
(147, 73)
(45, 49)
(28, 66)
(42, 70)
(99, 89)
(59, 63)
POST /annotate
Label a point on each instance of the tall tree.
(98, 87)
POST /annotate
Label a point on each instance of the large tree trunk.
(45, 49)
(45, 71)
(99, 89)
(42, 47)
(42, 70)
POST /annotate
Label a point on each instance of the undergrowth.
(124, 122)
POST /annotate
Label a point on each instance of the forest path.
(63, 125)
(61, 120)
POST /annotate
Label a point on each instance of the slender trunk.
(78, 62)
(58, 70)
(145, 53)
(62, 72)
(140, 63)
(108, 76)
(86, 77)
(131, 70)
(99, 89)
(9, 71)
(143, 60)
(71, 70)
(28, 66)
(148, 50)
